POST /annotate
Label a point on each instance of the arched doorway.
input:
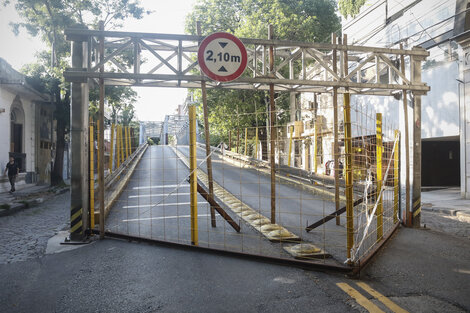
(17, 120)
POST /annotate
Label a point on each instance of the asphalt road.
(419, 271)
(117, 276)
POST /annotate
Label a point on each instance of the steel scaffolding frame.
(298, 66)
(168, 60)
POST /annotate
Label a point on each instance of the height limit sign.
(222, 57)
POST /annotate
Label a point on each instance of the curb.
(16, 206)
(448, 211)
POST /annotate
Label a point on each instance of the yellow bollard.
(98, 164)
(129, 140)
(290, 144)
(111, 161)
(92, 177)
(126, 135)
(193, 176)
(396, 186)
(118, 146)
(121, 137)
(131, 134)
(379, 148)
(349, 175)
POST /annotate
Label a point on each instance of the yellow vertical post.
(379, 147)
(193, 174)
(118, 147)
(291, 131)
(129, 136)
(92, 177)
(349, 175)
(121, 136)
(315, 147)
(111, 155)
(98, 164)
(396, 186)
(246, 141)
(256, 143)
(126, 136)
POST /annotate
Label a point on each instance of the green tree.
(49, 19)
(300, 20)
(350, 7)
(120, 101)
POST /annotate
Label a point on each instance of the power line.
(434, 8)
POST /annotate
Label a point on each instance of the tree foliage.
(48, 19)
(300, 20)
(119, 100)
(350, 7)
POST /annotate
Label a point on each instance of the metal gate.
(321, 191)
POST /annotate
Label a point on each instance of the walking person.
(13, 171)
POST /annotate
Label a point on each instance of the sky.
(167, 17)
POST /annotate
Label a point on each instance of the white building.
(27, 126)
(440, 27)
(431, 24)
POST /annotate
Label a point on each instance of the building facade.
(26, 120)
(442, 28)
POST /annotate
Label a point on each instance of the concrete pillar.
(416, 191)
(464, 90)
(79, 204)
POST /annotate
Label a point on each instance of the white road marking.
(161, 195)
(160, 204)
(160, 186)
(163, 218)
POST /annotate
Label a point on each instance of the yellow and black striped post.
(76, 222)
(79, 140)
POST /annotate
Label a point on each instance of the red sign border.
(202, 62)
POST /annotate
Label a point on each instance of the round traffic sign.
(222, 57)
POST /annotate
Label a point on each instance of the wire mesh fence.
(301, 219)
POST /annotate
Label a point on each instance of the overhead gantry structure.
(166, 60)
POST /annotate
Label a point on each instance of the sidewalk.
(27, 196)
(446, 200)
